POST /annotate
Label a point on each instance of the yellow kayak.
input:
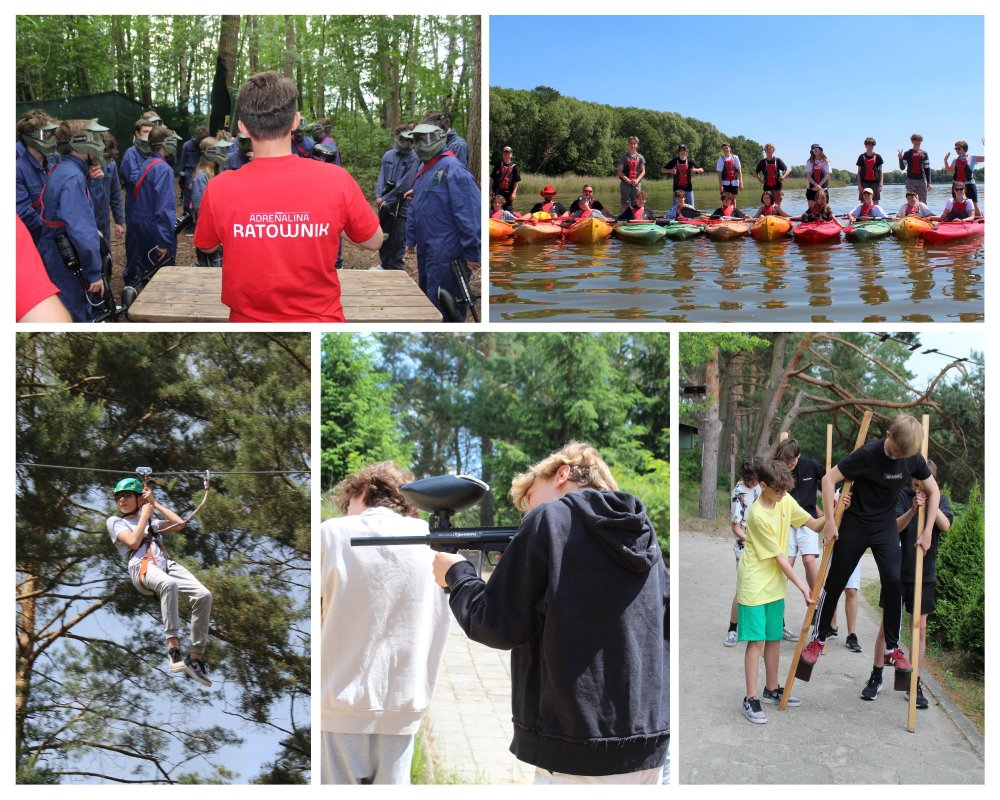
(589, 230)
(910, 227)
(770, 228)
(500, 230)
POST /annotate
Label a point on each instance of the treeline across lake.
(553, 135)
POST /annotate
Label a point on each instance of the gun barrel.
(492, 540)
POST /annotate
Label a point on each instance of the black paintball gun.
(442, 496)
(453, 309)
(183, 222)
(105, 308)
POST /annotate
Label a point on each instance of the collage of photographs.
(395, 410)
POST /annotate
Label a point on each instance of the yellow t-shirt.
(759, 579)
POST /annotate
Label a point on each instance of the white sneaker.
(377, 268)
(788, 636)
(730, 639)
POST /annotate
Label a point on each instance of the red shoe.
(897, 659)
(811, 652)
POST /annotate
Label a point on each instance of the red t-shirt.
(33, 284)
(279, 222)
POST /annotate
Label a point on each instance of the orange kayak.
(588, 231)
(726, 229)
(910, 227)
(500, 230)
(769, 228)
(533, 234)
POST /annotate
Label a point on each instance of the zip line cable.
(199, 473)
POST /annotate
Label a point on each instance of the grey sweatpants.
(168, 585)
(366, 758)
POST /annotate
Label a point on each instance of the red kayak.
(948, 232)
(817, 232)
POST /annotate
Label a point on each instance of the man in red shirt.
(280, 217)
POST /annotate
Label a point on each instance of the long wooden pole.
(829, 463)
(824, 567)
(918, 583)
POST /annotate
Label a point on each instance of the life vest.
(638, 213)
(729, 169)
(957, 212)
(498, 214)
(585, 214)
(866, 210)
(870, 173)
(771, 172)
(728, 213)
(915, 169)
(632, 167)
(767, 210)
(681, 177)
(817, 172)
(913, 212)
(505, 173)
(962, 172)
(548, 206)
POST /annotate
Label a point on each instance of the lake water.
(887, 280)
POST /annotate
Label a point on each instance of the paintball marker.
(443, 496)
(183, 222)
(105, 308)
(453, 310)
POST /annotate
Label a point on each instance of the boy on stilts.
(139, 539)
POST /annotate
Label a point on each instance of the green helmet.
(218, 153)
(428, 141)
(88, 142)
(128, 485)
(43, 139)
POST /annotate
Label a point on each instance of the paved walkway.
(834, 736)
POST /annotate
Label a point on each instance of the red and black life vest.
(632, 167)
(870, 173)
(817, 171)
(728, 213)
(962, 172)
(913, 212)
(729, 169)
(681, 173)
(505, 172)
(585, 214)
(959, 213)
(638, 213)
(866, 210)
(767, 210)
(547, 207)
(915, 168)
(497, 214)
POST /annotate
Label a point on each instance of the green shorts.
(761, 623)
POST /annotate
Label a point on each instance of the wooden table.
(192, 294)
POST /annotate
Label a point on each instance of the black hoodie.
(581, 597)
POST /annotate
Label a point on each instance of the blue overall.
(444, 223)
(106, 195)
(458, 146)
(401, 169)
(67, 208)
(190, 154)
(151, 215)
(304, 148)
(235, 159)
(30, 178)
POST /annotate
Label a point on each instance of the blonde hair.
(586, 468)
(907, 434)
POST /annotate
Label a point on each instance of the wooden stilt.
(918, 583)
(798, 667)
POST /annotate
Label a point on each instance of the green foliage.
(555, 135)
(90, 648)
(958, 622)
(357, 427)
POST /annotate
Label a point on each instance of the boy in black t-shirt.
(879, 470)
(909, 502)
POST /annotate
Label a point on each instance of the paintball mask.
(317, 131)
(142, 145)
(89, 143)
(244, 144)
(169, 144)
(325, 152)
(42, 139)
(404, 141)
(299, 133)
(218, 153)
(428, 141)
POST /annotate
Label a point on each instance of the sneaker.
(852, 643)
(775, 697)
(812, 651)
(730, 639)
(197, 669)
(175, 661)
(752, 710)
(897, 658)
(872, 688)
(788, 636)
(832, 634)
(921, 700)
(377, 268)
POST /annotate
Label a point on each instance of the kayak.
(817, 232)
(769, 228)
(589, 230)
(500, 230)
(910, 227)
(957, 231)
(533, 234)
(726, 229)
(867, 231)
(680, 231)
(640, 232)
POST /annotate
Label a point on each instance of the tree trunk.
(229, 33)
(474, 132)
(25, 644)
(145, 77)
(777, 383)
(253, 46)
(411, 58)
(289, 46)
(709, 434)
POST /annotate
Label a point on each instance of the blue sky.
(793, 80)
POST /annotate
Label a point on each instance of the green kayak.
(682, 230)
(640, 232)
(866, 231)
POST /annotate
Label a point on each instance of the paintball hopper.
(325, 152)
(449, 493)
